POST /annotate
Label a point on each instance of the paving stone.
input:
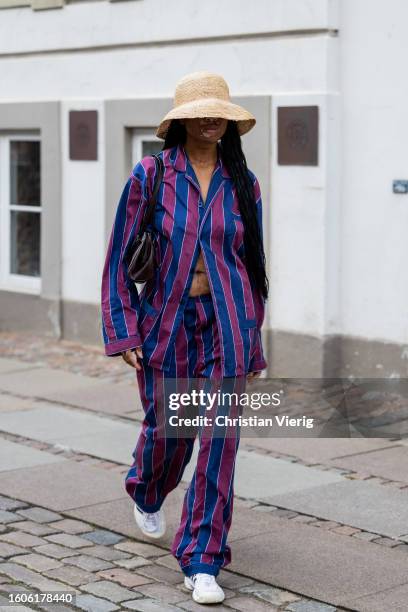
(55, 550)
(317, 567)
(106, 553)
(149, 605)
(327, 525)
(54, 607)
(28, 577)
(116, 515)
(6, 608)
(109, 590)
(9, 550)
(163, 592)
(140, 548)
(389, 463)
(162, 574)
(124, 577)
(365, 535)
(192, 606)
(265, 508)
(320, 450)
(135, 562)
(386, 542)
(39, 515)
(71, 575)
(66, 539)
(233, 581)
(304, 518)
(354, 503)
(275, 476)
(46, 383)
(284, 513)
(249, 603)
(91, 564)
(8, 517)
(402, 548)
(71, 526)
(118, 399)
(270, 594)
(403, 537)
(94, 604)
(14, 588)
(102, 536)
(310, 606)
(73, 485)
(18, 456)
(36, 562)
(33, 528)
(80, 431)
(168, 561)
(345, 530)
(6, 503)
(20, 538)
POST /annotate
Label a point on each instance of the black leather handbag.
(142, 254)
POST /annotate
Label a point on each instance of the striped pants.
(200, 544)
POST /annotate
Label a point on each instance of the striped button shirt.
(183, 225)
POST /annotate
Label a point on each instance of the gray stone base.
(292, 355)
(81, 322)
(32, 313)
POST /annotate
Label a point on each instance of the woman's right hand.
(131, 357)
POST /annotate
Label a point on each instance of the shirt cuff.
(116, 347)
(261, 364)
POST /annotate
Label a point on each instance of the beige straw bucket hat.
(205, 94)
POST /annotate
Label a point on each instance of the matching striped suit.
(214, 337)
(153, 318)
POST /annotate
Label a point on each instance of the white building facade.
(335, 232)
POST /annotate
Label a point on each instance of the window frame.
(8, 281)
(138, 137)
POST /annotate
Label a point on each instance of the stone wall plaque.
(298, 135)
(83, 135)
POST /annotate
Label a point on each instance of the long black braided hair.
(234, 159)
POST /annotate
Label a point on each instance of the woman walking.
(199, 316)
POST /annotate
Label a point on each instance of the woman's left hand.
(252, 375)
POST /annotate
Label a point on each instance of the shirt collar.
(180, 160)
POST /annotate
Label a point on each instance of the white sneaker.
(205, 588)
(152, 524)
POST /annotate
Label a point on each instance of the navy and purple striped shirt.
(183, 225)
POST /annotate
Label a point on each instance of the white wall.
(374, 50)
(83, 218)
(141, 55)
(85, 25)
(269, 61)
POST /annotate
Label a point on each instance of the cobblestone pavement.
(43, 551)
(276, 511)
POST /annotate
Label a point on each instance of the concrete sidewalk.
(319, 524)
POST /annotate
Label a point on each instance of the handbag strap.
(149, 212)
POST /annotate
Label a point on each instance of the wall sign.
(298, 135)
(83, 131)
(400, 186)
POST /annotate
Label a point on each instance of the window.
(20, 213)
(144, 143)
